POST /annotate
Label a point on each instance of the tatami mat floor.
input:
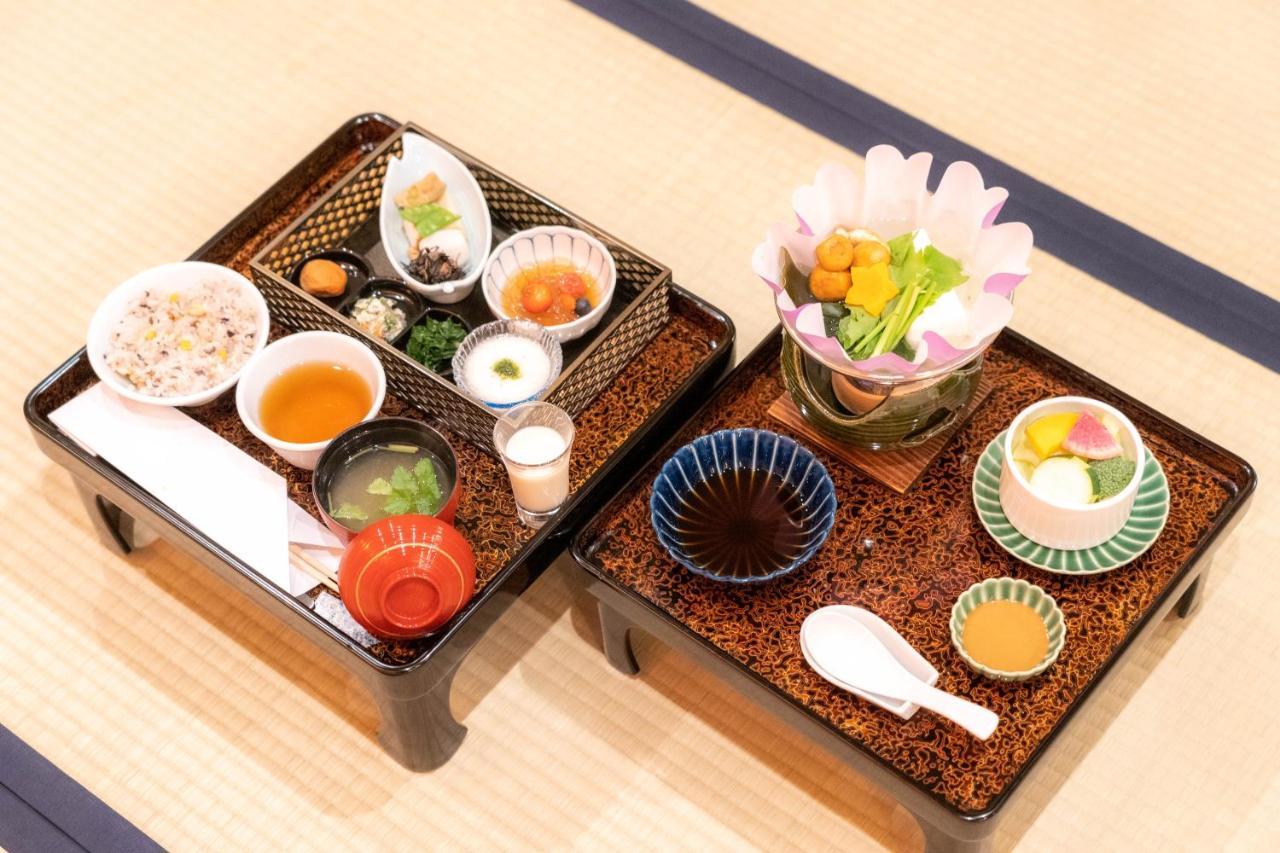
(135, 131)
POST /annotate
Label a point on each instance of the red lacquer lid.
(405, 576)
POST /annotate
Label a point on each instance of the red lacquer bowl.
(406, 576)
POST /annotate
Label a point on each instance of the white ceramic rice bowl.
(177, 278)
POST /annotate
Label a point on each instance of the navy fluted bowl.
(679, 517)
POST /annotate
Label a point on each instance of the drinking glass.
(537, 465)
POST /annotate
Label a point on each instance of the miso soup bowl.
(1069, 527)
(362, 436)
(296, 349)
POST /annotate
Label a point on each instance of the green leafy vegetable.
(921, 276)
(349, 512)
(428, 218)
(402, 481)
(396, 506)
(379, 486)
(433, 342)
(425, 473)
(416, 490)
(854, 325)
(832, 315)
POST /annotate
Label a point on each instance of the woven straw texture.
(135, 131)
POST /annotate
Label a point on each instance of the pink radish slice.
(1089, 439)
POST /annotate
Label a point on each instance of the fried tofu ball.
(828, 286)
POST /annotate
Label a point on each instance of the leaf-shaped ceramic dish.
(1150, 511)
(421, 156)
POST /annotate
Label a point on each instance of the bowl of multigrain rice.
(177, 334)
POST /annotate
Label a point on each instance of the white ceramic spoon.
(851, 656)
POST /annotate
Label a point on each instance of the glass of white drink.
(534, 440)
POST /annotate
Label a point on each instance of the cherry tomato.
(566, 303)
(536, 297)
(572, 284)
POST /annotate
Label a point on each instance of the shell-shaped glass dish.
(548, 244)
(714, 534)
(523, 328)
(420, 157)
(1023, 592)
(891, 198)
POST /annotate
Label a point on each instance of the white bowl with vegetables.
(1071, 472)
(564, 264)
(434, 221)
(178, 334)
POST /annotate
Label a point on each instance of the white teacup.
(300, 348)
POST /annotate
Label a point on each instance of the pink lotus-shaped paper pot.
(892, 199)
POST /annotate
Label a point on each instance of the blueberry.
(582, 307)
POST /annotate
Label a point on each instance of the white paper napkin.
(219, 489)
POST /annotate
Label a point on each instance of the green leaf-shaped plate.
(1150, 511)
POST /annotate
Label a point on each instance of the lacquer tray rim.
(1240, 490)
(556, 529)
(595, 338)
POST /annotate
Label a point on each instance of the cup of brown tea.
(301, 391)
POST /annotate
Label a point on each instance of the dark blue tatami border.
(1156, 274)
(43, 809)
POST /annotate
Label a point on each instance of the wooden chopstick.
(304, 562)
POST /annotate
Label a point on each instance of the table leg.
(421, 732)
(937, 840)
(1190, 599)
(615, 631)
(106, 518)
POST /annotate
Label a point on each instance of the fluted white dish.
(545, 244)
(1067, 526)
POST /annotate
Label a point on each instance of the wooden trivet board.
(897, 469)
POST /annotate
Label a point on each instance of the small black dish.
(356, 268)
(413, 305)
(437, 313)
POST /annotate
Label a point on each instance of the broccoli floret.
(1110, 476)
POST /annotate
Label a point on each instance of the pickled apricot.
(835, 254)
(829, 286)
(869, 253)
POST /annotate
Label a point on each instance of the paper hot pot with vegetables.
(884, 281)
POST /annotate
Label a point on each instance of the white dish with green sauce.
(507, 362)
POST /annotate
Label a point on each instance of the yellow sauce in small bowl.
(1005, 635)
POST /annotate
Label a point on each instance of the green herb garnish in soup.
(433, 342)
(386, 480)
